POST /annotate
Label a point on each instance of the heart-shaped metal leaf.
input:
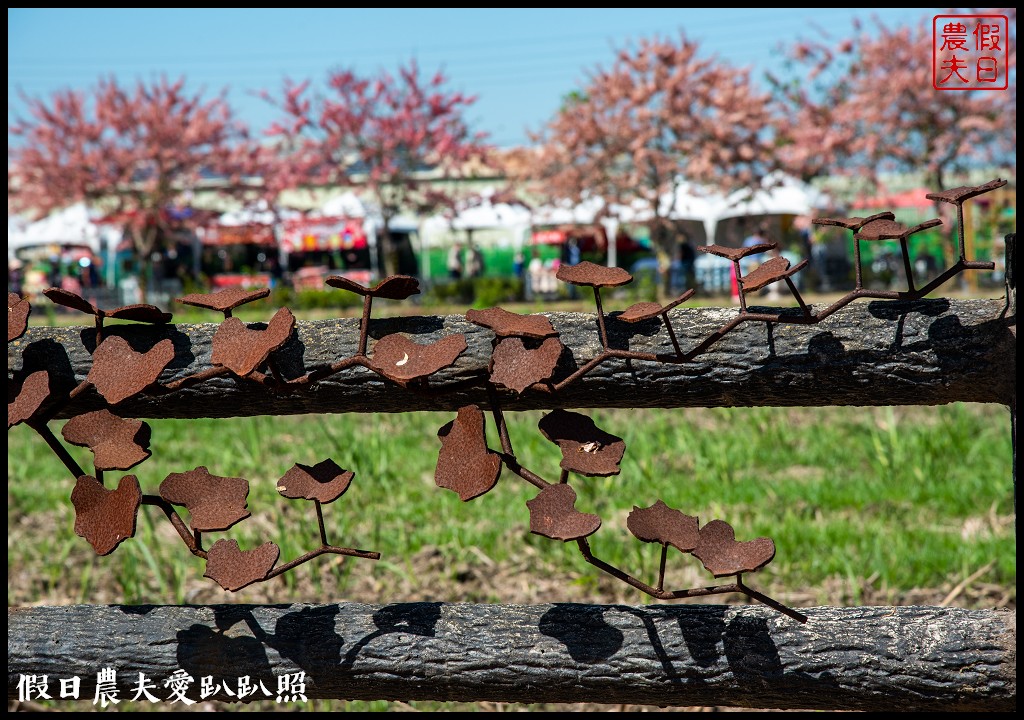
(106, 517)
(214, 502)
(34, 390)
(223, 300)
(242, 350)
(233, 568)
(586, 448)
(114, 441)
(722, 555)
(553, 514)
(465, 465)
(508, 324)
(326, 481)
(401, 360)
(517, 367)
(71, 300)
(592, 275)
(118, 372)
(661, 524)
(18, 309)
(393, 287)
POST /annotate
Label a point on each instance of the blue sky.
(519, 62)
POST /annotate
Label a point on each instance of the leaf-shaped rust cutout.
(592, 275)
(106, 517)
(509, 324)
(223, 300)
(647, 310)
(393, 287)
(465, 465)
(661, 524)
(113, 440)
(242, 350)
(71, 300)
(34, 390)
(722, 555)
(18, 309)
(890, 230)
(139, 313)
(233, 568)
(586, 448)
(398, 358)
(326, 481)
(853, 223)
(517, 367)
(214, 502)
(965, 192)
(553, 514)
(118, 372)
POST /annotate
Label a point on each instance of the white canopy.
(347, 205)
(74, 225)
(779, 195)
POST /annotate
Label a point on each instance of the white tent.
(779, 195)
(347, 205)
(74, 225)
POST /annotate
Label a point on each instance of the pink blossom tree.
(134, 153)
(387, 133)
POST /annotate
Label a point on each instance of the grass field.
(893, 506)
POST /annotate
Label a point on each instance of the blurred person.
(455, 268)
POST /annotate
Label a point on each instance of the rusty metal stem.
(320, 522)
(671, 334)
(65, 457)
(177, 522)
(906, 265)
(774, 604)
(99, 475)
(196, 378)
(600, 318)
(81, 388)
(564, 478)
(859, 283)
(661, 569)
(198, 537)
(499, 421)
(528, 475)
(325, 550)
(961, 236)
(364, 324)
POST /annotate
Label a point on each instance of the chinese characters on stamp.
(970, 52)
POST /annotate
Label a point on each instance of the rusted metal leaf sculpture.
(957, 195)
(213, 502)
(137, 312)
(34, 390)
(326, 481)
(233, 568)
(401, 360)
(224, 300)
(737, 254)
(647, 310)
(723, 555)
(18, 309)
(553, 514)
(891, 230)
(586, 448)
(517, 367)
(116, 443)
(590, 274)
(242, 350)
(393, 287)
(854, 223)
(465, 465)
(106, 517)
(661, 524)
(118, 372)
(508, 324)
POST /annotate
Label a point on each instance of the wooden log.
(878, 352)
(912, 658)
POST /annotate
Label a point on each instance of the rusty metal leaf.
(118, 372)
(401, 360)
(881, 229)
(233, 568)
(71, 300)
(647, 310)
(326, 481)
(722, 555)
(517, 367)
(140, 313)
(965, 192)
(586, 448)
(214, 502)
(590, 274)
(507, 324)
(242, 350)
(854, 223)
(18, 309)
(34, 390)
(734, 253)
(765, 274)
(465, 465)
(106, 517)
(114, 441)
(393, 287)
(661, 524)
(223, 300)
(553, 514)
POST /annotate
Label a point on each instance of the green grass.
(911, 496)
